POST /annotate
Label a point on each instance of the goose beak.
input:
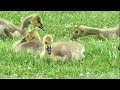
(49, 50)
(73, 37)
(23, 40)
(41, 27)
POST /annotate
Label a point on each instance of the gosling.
(30, 44)
(64, 51)
(8, 29)
(101, 33)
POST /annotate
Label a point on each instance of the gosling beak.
(73, 37)
(23, 40)
(49, 50)
(41, 27)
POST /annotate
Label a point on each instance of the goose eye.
(76, 31)
(38, 21)
(45, 42)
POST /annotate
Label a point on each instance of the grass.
(102, 59)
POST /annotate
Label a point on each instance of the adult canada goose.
(101, 33)
(8, 29)
(30, 44)
(63, 50)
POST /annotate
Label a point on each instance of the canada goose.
(30, 44)
(63, 50)
(9, 30)
(101, 33)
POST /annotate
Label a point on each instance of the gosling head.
(37, 21)
(30, 36)
(78, 32)
(48, 40)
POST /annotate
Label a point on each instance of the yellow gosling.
(8, 29)
(64, 51)
(30, 44)
(101, 33)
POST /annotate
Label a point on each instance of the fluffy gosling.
(101, 33)
(63, 50)
(30, 44)
(8, 29)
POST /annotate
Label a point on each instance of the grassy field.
(102, 59)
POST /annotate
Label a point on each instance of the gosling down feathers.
(30, 44)
(8, 29)
(101, 33)
(63, 50)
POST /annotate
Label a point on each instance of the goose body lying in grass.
(63, 50)
(30, 44)
(101, 33)
(8, 29)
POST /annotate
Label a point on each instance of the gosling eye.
(38, 21)
(45, 42)
(76, 31)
